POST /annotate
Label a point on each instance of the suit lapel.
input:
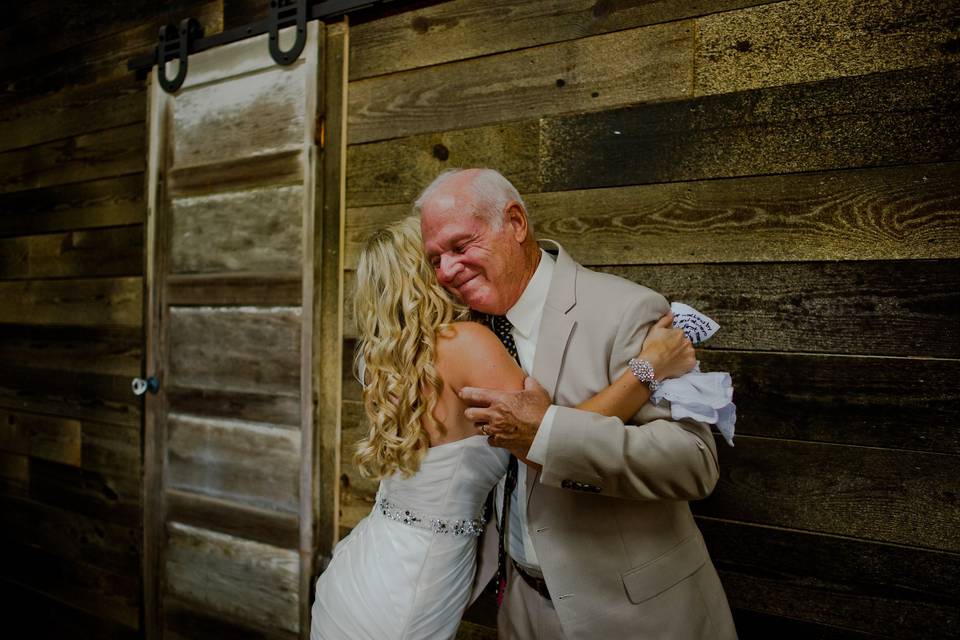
(555, 329)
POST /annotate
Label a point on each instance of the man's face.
(479, 264)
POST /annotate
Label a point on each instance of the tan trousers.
(525, 614)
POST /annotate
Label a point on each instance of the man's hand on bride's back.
(668, 350)
(510, 418)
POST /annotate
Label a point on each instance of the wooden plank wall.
(72, 155)
(791, 168)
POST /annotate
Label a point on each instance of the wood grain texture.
(117, 251)
(256, 230)
(92, 60)
(883, 495)
(283, 289)
(222, 348)
(809, 40)
(102, 105)
(284, 168)
(40, 436)
(47, 617)
(242, 580)
(396, 171)
(250, 523)
(901, 117)
(753, 625)
(183, 621)
(843, 399)
(251, 406)
(569, 76)
(248, 463)
(74, 536)
(866, 308)
(14, 474)
(108, 202)
(78, 302)
(54, 392)
(107, 595)
(104, 350)
(257, 114)
(357, 494)
(463, 29)
(88, 156)
(327, 305)
(868, 587)
(870, 214)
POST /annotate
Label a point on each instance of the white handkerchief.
(707, 397)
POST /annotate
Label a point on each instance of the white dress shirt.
(525, 317)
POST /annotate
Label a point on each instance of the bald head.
(477, 236)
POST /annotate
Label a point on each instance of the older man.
(601, 540)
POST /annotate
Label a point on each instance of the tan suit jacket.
(608, 514)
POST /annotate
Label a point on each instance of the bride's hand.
(668, 350)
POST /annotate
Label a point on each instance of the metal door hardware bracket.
(284, 13)
(174, 44)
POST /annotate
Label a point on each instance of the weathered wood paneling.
(88, 156)
(78, 302)
(869, 214)
(47, 617)
(357, 494)
(901, 497)
(588, 73)
(183, 621)
(99, 203)
(462, 29)
(258, 230)
(396, 171)
(221, 348)
(253, 464)
(864, 586)
(117, 251)
(103, 105)
(77, 537)
(103, 350)
(283, 288)
(900, 117)
(97, 59)
(250, 523)
(107, 595)
(808, 40)
(903, 308)
(275, 409)
(242, 580)
(252, 115)
(39, 436)
(14, 474)
(284, 168)
(844, 399)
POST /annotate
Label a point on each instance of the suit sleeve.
(653, 458)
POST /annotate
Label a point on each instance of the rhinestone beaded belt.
(472, 527)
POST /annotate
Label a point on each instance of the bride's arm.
(670, 354)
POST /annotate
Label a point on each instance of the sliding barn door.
(243, 294)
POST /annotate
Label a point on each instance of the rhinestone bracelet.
(470, 527)
(643, 370)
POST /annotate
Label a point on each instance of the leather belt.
(537, 584)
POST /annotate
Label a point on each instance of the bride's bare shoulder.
(465, 339)
(470, 354)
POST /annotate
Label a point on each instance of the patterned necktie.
(502, 327)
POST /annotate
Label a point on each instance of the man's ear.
(517, 219)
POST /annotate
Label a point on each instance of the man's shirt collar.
(526, 313)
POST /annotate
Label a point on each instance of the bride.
(407, 569)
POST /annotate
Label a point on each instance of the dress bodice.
(452, 483)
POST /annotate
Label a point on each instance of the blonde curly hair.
(400, 309)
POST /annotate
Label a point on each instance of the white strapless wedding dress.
(406, 570)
